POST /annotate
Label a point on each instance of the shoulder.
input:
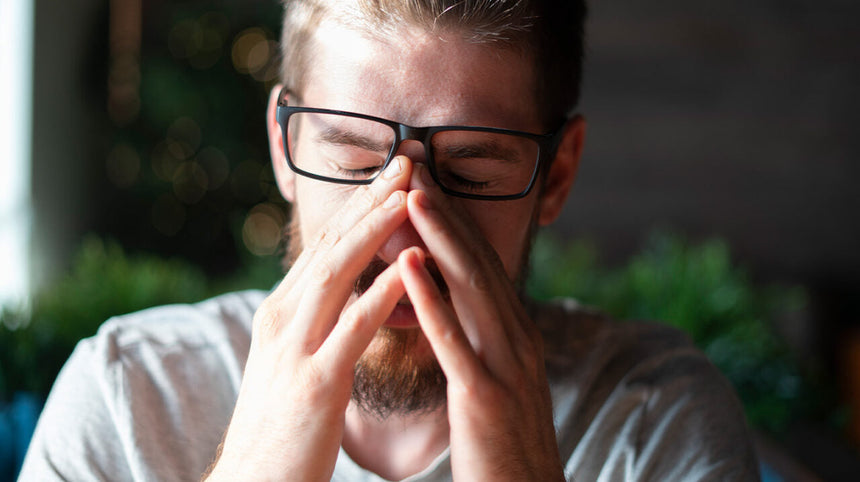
(183, 325)
(167, 343)
(639, 400)
(149, 395)
(165, 362)
(576, 335)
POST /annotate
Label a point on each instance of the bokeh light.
(190, 182)
(255, 53)
(185, 130)
(199, 41)
(164, 160)
(262, 229)
(216, 165)
(245, 42)
(270, 68)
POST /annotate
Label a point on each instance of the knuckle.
(328, 239)
(266, 322)
(479, 281)
(463, 391)
(315, 385)
(448, 335)
(532, 346)
(323, 274)
(357, 317)
(368, 200)
(531, 364)
(318, 238)
(362, 230)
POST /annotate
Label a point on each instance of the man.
(399, 345)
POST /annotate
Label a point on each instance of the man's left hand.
(499, 405)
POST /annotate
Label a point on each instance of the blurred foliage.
(694, 287)
(186, 157)
(698, 289)
(104, 281)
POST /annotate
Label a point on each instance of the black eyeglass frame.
(547, 146)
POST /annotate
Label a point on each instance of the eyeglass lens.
(342, 147)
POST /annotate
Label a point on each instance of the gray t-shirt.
(149, 397)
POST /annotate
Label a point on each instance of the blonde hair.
(549, 31)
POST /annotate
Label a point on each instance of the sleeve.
(691, 426)
(76, 437)
(644, 404)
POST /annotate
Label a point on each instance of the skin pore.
(424, 79)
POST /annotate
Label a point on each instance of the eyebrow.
(489, 150)
(333, 135)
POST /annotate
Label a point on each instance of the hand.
(499, 406)
(289, 416)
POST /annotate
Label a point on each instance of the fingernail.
(394, 200)
(393, 169)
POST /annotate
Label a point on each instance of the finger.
(279, 305)
(357, 326)
(464, 228)
(292, 275)
(363, 201)
(447, 338)
(486, 308)
(332, 278)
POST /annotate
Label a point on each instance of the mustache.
(377, 266)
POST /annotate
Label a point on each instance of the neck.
(397, 446)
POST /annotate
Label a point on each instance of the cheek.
(317, 203)
(506, 226)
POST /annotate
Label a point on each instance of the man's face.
(419, 79)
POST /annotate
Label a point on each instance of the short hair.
(550, 31)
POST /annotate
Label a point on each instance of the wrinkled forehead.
(419, 77)
(402, 26)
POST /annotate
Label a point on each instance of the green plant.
(103, 282)
(698, 289)
(694, 287)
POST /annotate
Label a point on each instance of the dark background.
(728, 119)
(733, 119)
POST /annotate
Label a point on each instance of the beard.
(398, 373)
(395, 376)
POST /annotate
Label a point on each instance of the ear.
(285, 176)
(562, 172)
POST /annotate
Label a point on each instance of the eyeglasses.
(485, 163)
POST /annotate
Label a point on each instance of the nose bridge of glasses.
(412, 142)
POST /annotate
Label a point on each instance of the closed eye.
(358, 173)
(339, 137)
(485, 150)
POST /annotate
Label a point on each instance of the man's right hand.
(289, 416)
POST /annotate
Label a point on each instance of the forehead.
(421, 78)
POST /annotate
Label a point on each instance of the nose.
(404, 236)
(412, 149)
